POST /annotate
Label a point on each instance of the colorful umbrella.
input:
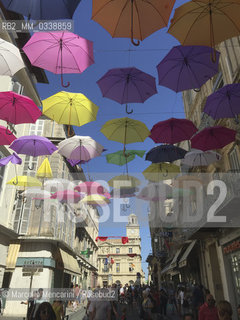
(123, 192)
(6, 136)
(132, 19)
(45, 171)
(198, 158)
(16, 108)
(127, 85)
(14, 158)
(95, 200)
(59, 184)
(165, 153)
(120, 159)
(187, 67)
(172, 131)
(43, 9)
(161, 171)
(125, 130)
(70, 108)
(124, 181)
(10, 59)
(155, 192)
(91, 187)
(67, 196)
(213, 138)
(206, 22)
(25, 181)
(33, 146)
(80, 148)
(59, 52)
(224, 103)
(36, 194)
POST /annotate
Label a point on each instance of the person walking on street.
(224, 310)
(45, 312)
(58, 309)
(208, 310)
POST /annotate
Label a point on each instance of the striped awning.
(12, 256)
(70, 263)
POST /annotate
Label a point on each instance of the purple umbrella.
(224, 103)
(127, 85)
(14, 158)
(187, 67)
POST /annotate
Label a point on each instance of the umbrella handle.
(136, 44)
(165, 175)
(31, 168)
(7, 131)
(15, 183)
(64, 85)
(197, 90)
(128, 111)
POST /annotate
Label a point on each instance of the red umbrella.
(6, 136)
(172, 131)
(213, 138)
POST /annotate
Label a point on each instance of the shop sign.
(234, 246)
(34, 263)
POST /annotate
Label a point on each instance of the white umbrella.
(82, 148)
(10, 58)
(59, 184)
(36, 193)
(155, 192)
(198, 158)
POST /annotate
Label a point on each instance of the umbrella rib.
(124, 7)
(139, 25)
(42, 53)
(229, 18)
(159, 12)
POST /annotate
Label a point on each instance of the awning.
(164, 270)
(13, 251)
(69, 262)
(173, 264)
(183, 260)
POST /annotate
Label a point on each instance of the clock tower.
(133, 227)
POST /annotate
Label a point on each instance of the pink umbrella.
(67, 196)
(16, 109)
(92, 187)
(59, 52)
(172, 131)
(6, 136)
(213, 138)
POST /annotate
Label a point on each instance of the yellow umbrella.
(161, 171)
(124, 181)
(95, 200)
(45, 171)
(25, 181)
(125, 130)
(206, 22)
(70, 108)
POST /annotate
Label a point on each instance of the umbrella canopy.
(45, 171)
(165, 153)
(80, 148)
(132, 19)
(206, 22)
(6, 136)
(37, 194)
(181, 178)
(96, 200)
(59, 184)
(172, 131)
(187, 67)
(120, 159)
(14, 158)
(126, 85)
(123, 192)
(70, 108)
(155, 192)
(25, 181)
(33, 146)
(124, 181)
(213, 138)
(125, 130)
(161, 171)
(59, 52)
(16, 108)
(90, 187)
(43, 9)
(67, 196)
(10, 59)
(197, 158)
(224, 103)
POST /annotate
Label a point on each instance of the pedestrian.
(147, 306)
(164, 301)
(188, 316)
(45, 312)
(58, 309)
(180, 300)
(77, 294)
(31, 304)
(208, 310)
(238, 311)
(197, 299)
(101, 310)
(224, 310)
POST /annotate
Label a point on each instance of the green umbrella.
(87, 252)
(120, 159)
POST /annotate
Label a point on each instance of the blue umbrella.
(165, 153)
(43, 9)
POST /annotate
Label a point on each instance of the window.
(2, 170)
(117, 267)
(234, 160)
(130, 267)
(17, 87)
(117, 250)
(130, 250)
(218, 83)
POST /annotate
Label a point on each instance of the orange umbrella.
(135, 19)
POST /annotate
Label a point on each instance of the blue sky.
(113, 53)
